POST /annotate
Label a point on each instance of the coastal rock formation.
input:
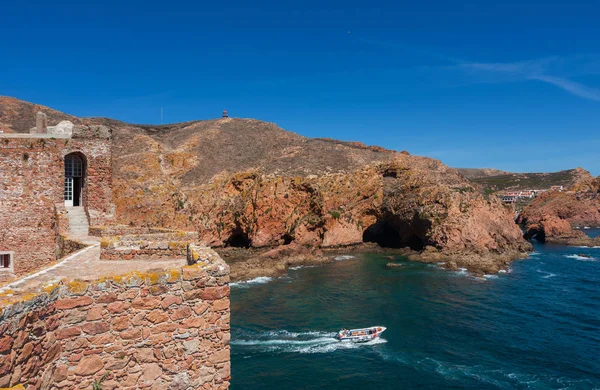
(247, 183)
(553, 216)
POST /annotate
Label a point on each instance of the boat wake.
(547, 275)
(283, 341)
(580, 258)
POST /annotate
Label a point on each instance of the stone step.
(78, 221)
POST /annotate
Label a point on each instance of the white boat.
(361, 335)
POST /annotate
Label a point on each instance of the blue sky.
(512, 85)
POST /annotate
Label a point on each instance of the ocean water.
(535, 327)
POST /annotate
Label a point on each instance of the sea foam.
(257, 280)
(343, 257)
(580, 258)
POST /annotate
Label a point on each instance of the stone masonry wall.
(122, 230)
(158, 330)
(94, 142)
(31, 181)
(147, 246)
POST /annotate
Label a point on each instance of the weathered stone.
(131, 334)
(151, 372)
(199, 309)
(107, 298)
(89, 365)
(181, 312)
(95, 313)
(191, 346)
(73, 302)
(118, 307)
(212, 293)
(74, 317)
(120, 323)
(95, 327)
(195, 322)
(5, 343)
(221, 304)
(157, 316)
(146, 303)
(219, 356)
(145, 355)
(170, 300)
(68, 332)
(60, 374)
(25, 352)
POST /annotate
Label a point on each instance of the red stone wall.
(171, 245)
(95, 144)
(31, 181)
(167, 330)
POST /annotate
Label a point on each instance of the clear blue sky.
(513, 85)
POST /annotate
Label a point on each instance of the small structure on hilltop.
(225, 114)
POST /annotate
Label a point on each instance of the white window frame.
(11, 268)
(73, 168)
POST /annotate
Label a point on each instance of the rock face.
(553, 215)
(246, 183)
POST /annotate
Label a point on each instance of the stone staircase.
(78, 222)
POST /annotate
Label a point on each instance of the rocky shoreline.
(248, 264)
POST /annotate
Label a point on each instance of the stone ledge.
(12, 303)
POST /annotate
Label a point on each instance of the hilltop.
(522, 181)
(476, 173)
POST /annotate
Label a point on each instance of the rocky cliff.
(247, 183)
(553, 216)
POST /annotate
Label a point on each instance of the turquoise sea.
(535, 327)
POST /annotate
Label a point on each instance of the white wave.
(588, 247)
(547, 275)
(301, 266)
(343, 257)
(461, 271)
(490, 276)
(580, 258)
(534, 254)
(246, 283)
(587, 227)
(505, 271)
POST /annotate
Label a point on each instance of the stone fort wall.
(32, 182)
(156, 330)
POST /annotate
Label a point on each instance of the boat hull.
(362, 335)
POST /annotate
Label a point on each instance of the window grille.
(6, 261)
(73, 166)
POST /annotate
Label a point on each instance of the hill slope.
(524, 181)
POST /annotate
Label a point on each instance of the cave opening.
(537, 234)
(394, 234)
(238, 238)
(287, 239)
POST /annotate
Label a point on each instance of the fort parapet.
(157, 329)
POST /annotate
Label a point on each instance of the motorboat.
(361, 335)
